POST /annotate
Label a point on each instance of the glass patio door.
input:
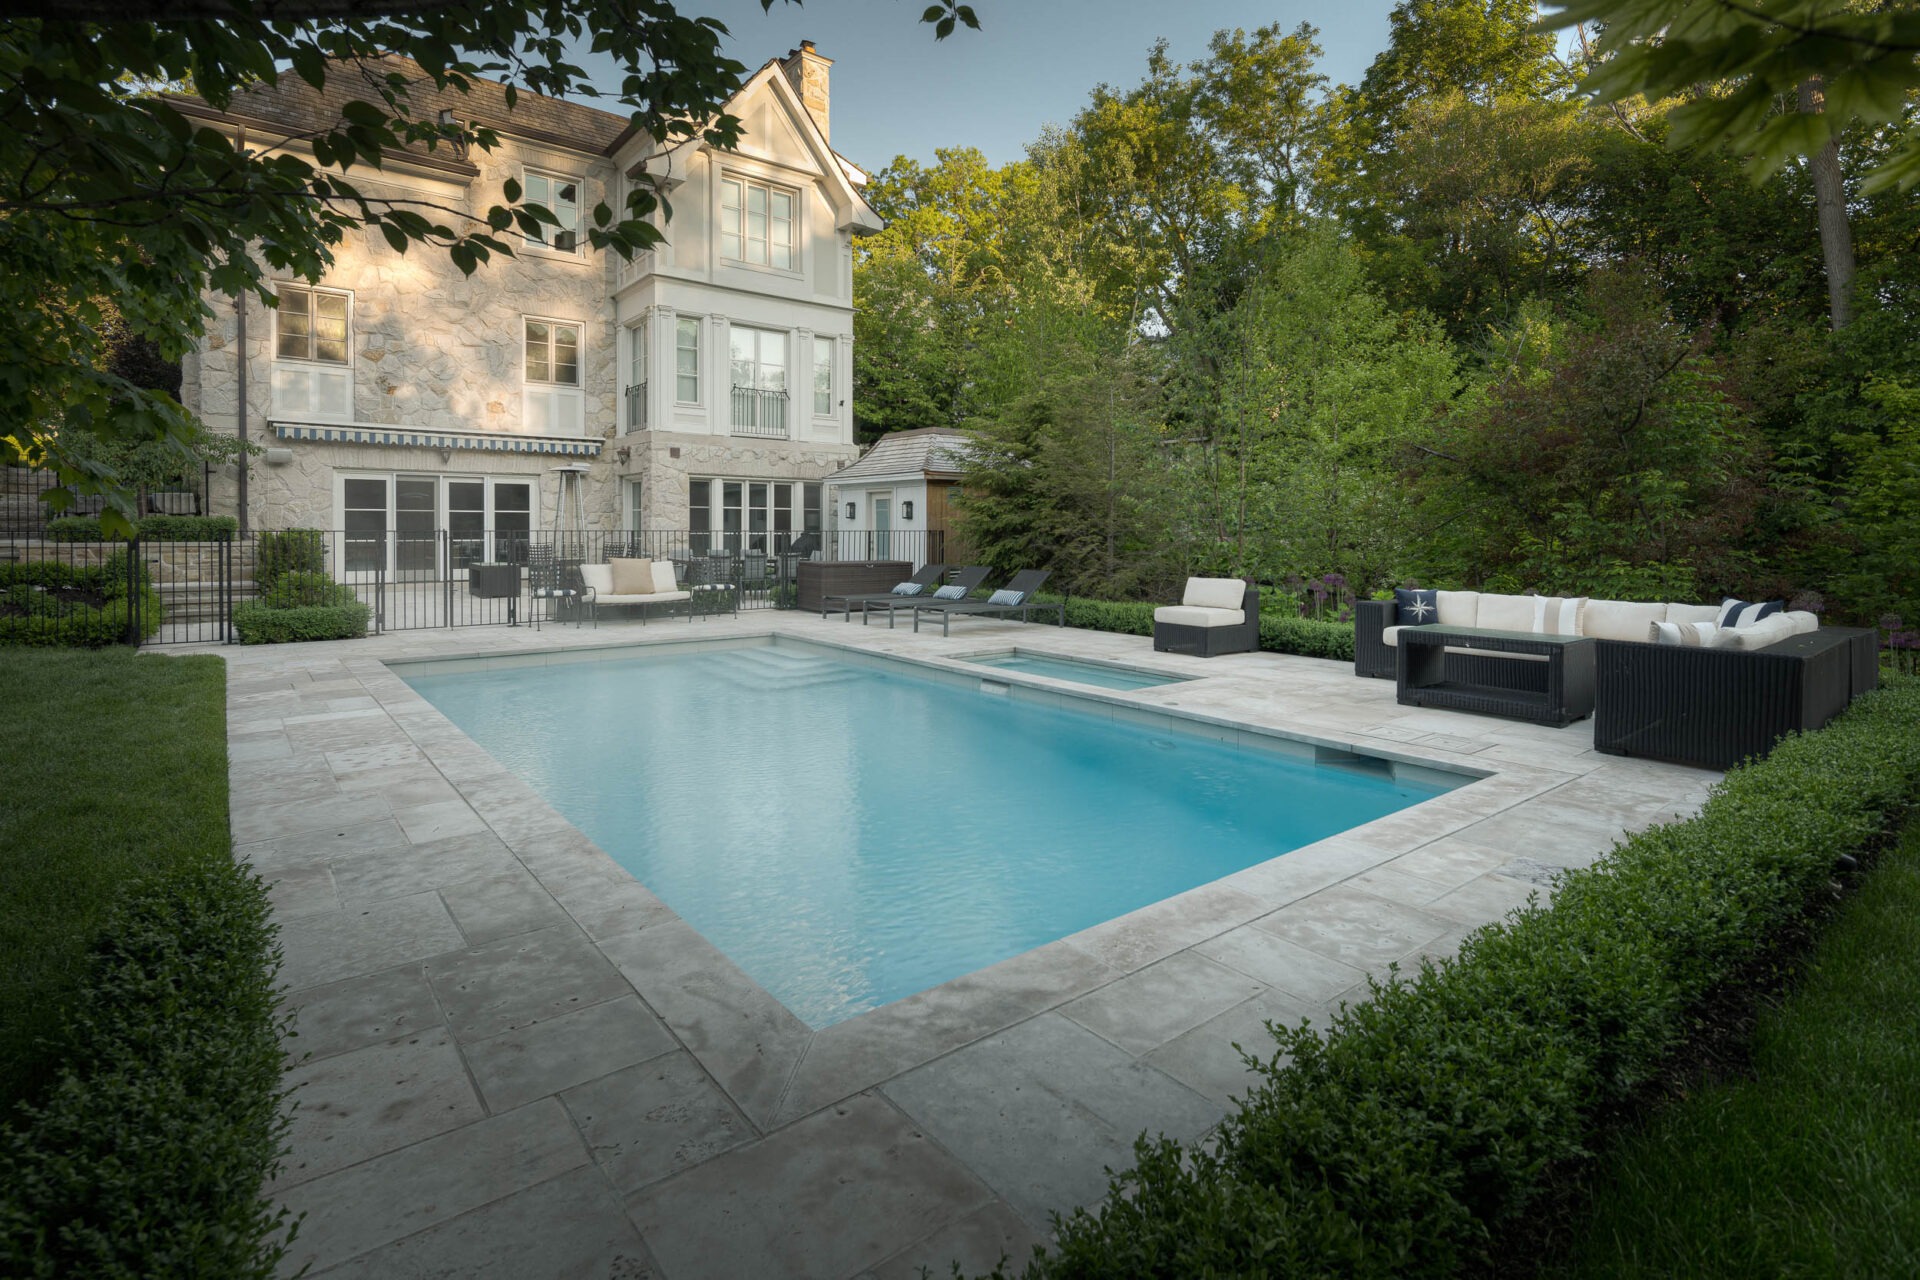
(416, 527)
(882, 526)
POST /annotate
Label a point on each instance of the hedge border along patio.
(1428, 1118)
(155, 1111)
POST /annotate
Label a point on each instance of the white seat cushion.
(1187, 615)
(1392, 636)
(1803, 621)
(1692, 613)
(1215, 593)
(599, 577)
(1758, 635)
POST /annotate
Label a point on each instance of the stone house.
(701, 391)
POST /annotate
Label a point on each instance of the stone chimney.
(807, 72)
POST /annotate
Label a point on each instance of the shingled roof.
(901, 455)
(299, 109)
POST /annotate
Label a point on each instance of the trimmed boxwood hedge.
(1309, 637)
(35, 616)
(149, 1155)
(156, 528)
(258, 623)
(1429, 1118)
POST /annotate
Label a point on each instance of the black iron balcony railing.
(759, 413)
(637, 407)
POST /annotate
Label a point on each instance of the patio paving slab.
(843, 1190)
(321, 844)
(978, 1243)
(379, 1201)
(654, 1119)
(355, 1105)
(1039, 1109)
(501, 905)
(371, 1009)
(499, 986)
(1205, 1059)
(1353, 927)
(376, 876)
(1301, 972)
(558, 1053)
(344, 944)
(1145, 1009)
(570, 1227)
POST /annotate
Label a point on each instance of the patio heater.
(570, 491)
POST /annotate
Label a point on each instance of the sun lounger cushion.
(1214, 593)
(951, 593)
(909, 588)
(1006, 597)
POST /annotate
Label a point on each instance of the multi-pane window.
(750, 516)
(639, 332)
(759, 358)
(561, 198)
(756, 223)
(686, 360)
(553, 353)
(554, 402)
(822, 376)
(311, 324)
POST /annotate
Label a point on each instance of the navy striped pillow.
(1741, 613)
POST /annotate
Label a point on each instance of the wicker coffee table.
(1512, 687)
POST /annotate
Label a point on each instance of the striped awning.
(401, 438)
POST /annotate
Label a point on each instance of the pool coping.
(785, 1077)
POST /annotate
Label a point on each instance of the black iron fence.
(163, 592)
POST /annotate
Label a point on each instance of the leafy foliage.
(152, 528)
(285, 551)
(51, 603)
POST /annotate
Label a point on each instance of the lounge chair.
(1214, 616)
(927, 578)
(964, 582)
(1015, 597)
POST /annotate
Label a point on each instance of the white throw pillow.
(599, 577)
(1558, 615)
(664, 578)
(1693, 613)
(1694, 635)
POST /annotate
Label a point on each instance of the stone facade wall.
(666, 476)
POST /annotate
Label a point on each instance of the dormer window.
(756, 224)
(561, 197)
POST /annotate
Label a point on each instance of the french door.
(391, 524)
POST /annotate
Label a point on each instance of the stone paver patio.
(512, 1059)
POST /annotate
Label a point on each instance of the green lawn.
(1812, 1166)
(115, 768)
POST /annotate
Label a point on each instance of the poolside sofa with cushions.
(1709, 704)
(632, 582)
(1214, 616)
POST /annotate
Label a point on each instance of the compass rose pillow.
(1417, 608)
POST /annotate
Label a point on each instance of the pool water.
(850, 835)
(1093, 673)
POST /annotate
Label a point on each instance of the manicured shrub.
(258, 623)
(53, 603)
(155, 528)
(302, 589)
(287, 551)
(1429, 1118)
(149, 1155)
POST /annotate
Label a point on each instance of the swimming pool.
(852, 832)
(1098, 674)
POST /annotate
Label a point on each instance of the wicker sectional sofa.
(1693, 705)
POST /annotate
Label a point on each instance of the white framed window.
(636, 395)
(639, 340)
(822, 377)
(561, 197)
(686, 360)
(634, 509)
(312, 366)
(758, 361)
(750, 516)
(554, 402)
(756, 223)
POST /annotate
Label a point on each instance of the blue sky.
(898, 92)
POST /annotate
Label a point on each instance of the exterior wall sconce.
(906, 510)
(851, 509)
